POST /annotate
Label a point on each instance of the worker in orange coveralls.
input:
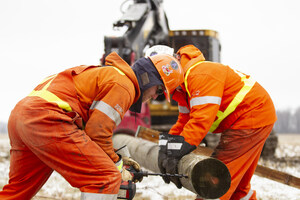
(215, 98)
(66, 124)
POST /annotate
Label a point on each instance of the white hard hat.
(159, 49)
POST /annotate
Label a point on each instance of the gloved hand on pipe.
(177, 147)
(162, 155)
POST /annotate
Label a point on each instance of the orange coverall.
(212, 92)
(47, 133)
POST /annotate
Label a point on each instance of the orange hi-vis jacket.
(215, 97)
(95, 97)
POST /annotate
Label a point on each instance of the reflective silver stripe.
(97, 196)
(162, 142)
(247, 197)
(108, 110)
(204, 100)
(183, 109)
(174, 146)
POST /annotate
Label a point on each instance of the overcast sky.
(42, 37)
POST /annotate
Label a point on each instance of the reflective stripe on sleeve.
(98, 196)
(174, 146)
(183, 109)
(108, 110)
(205, 100)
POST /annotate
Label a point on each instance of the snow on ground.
(153, 188)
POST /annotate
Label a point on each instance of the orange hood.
(113, 59)
(188, 53)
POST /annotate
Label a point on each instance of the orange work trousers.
(240, 150)
(44, 138)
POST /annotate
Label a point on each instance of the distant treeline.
(288, 122)
(3, 127)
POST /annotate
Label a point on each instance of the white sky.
(43, 37)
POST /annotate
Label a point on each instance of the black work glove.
(176, 149)
(162, 155)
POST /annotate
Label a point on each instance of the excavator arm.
(144, 24)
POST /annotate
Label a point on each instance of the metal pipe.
(207, 177)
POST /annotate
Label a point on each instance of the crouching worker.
(66, 124)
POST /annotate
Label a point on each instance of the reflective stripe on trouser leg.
(247, 197)
(97, 196)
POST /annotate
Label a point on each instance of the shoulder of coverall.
(78, 69)
(113, 59)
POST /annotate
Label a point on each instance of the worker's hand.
(126, 175)
(162, 155)
(176, 149)
(130, 162)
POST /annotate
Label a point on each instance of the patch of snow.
(154, 188)
(268, 189)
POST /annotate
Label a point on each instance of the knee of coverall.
(104, 184)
